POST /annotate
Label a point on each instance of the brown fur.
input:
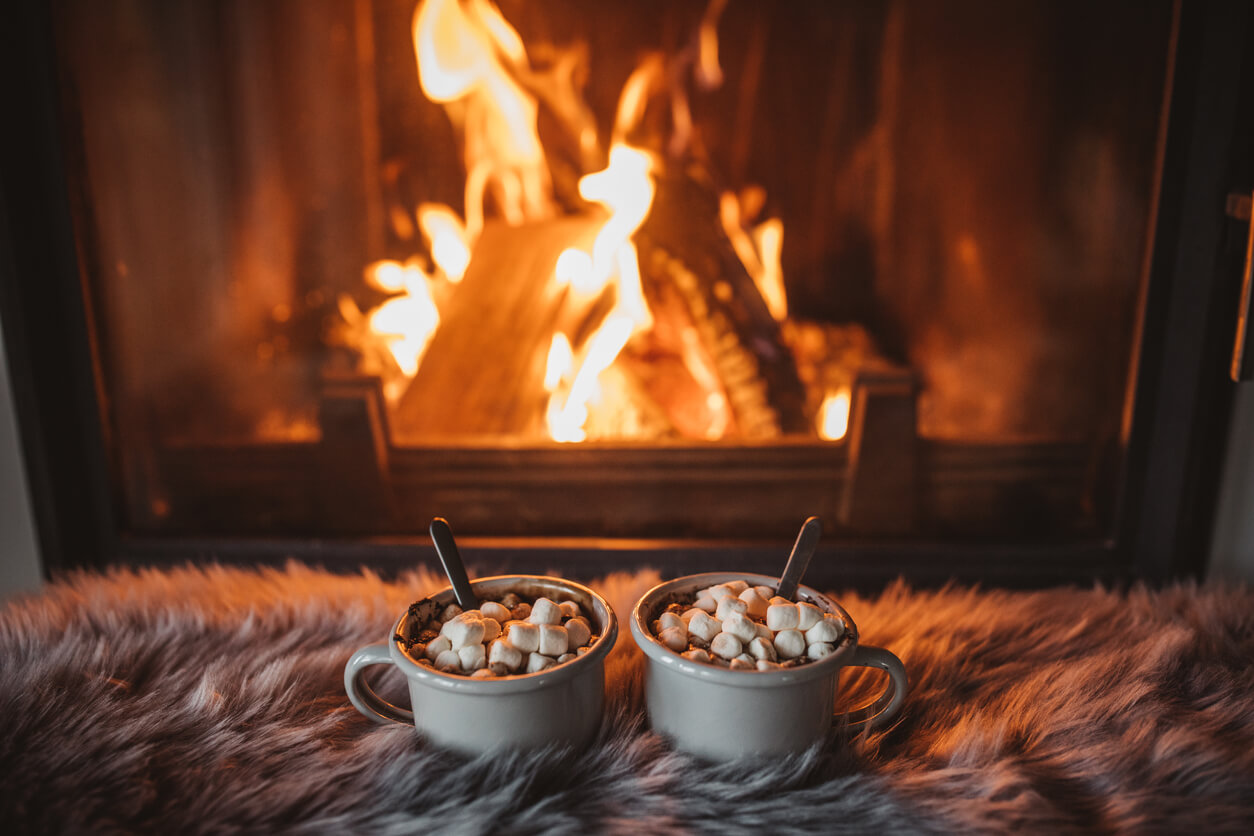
(211, 700)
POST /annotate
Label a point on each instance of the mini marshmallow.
(504, 653)
(498, 669)
(668, 619)
(538, 662)
(523, 635)
(578, 631)
(818, 650)
(827, 630)
(449, 660)
(689, 614)
(756, 603)
(790, 644)
(553, 640)
(450, 612)
(726, 645)
(462, 631)
(740, 626)
(718, 592)
(761, 648)
(437, 646)
(520, 611)
(496, 611)
(775, 600)
(737, 587)
(729, 605)
(579, 651)
(566, 657)
(697, 655)
(807, 616)
(764, 632)
(569, 609)
(782, 617)
(544, 611)
(704, 627)
(491, 629)
(472, 657)
(764, 665)
(705, 602)
(676, 638)
(510, 600)
(765, 591)
(745, 657)
(483, 673)
(739, 664)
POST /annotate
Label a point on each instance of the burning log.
(682, 244)
(483, 373)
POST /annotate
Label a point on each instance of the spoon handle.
(446, 548)
(802, 551)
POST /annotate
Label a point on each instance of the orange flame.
(833, 421)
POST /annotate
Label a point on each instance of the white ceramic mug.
(721, 714)
(560, 705)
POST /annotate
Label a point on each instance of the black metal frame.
(1175, 431)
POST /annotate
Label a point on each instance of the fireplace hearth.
(628, 284)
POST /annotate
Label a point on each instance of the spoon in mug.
(450, 557)
(802, 551)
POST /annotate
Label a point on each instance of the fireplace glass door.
(640, 269)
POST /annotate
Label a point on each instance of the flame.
(447, 239)
(759, 251)
(833, 421)
(407, 322)
(560, 361)
(566, 419)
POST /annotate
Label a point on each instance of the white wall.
(19, 554)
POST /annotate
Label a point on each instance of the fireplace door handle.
(1239, 207)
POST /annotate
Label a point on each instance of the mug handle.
(363, 696)
(884, 707)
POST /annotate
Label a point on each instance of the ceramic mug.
(721, 714)
(559, 705)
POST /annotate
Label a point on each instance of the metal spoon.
(446, 548)
(802, 551)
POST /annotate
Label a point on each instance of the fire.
(834, 416)
(447, 237)
(405, 322)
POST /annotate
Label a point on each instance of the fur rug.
(211, 700)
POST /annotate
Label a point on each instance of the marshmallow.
(569, 609)
(510, 600)
(504, 653)
(523, 635)
(499, 669)
(491, 629)
(729, 605)
(472, 657)
(697, 655)
(450, 612)
(544, 611)
(790, 644)
(493, 610)
(765, 591)
(740, 626)
(579, 651)
(520, 611)
(689, 614)
(719, 591)
(669, 619)
(756, 603)
(726, 645)
(818, 650)
(483, 673)
(553, 640)
(705, 602)
(764, 632)
(739, 664)
(761, 648)
(775, 600)
(676, 638)
(538, 662)
(737, 587)
(566, 657)
(807, 616)
(448, 660)
(437, 646)
(782, 617)
(704, 627)
(764, 665)
(578, 631)
(827, 630)
(463, 631)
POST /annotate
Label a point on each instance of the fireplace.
(619, 283)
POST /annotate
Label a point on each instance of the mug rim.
(514, 683)
(658, 652)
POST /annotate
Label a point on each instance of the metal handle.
(363, 696)
(884, 707)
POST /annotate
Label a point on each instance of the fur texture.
(211, 700)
